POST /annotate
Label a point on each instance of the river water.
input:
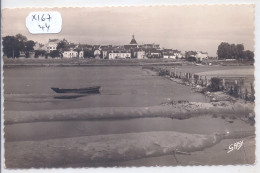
(29, 88)
(65, 129)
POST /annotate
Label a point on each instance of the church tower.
(133, 41)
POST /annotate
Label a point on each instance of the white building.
(81, 54)
(97, 54)
(169, 56)
(39, 46)
(119, 55)
(156, 54)
(179, 55)
(140, 55)
(200, 56)
(52, 45)
(70, 54)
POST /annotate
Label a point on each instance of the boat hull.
(89, 90)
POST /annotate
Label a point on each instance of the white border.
(99, 3)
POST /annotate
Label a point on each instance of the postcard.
(128, 86)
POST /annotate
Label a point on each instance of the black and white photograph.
(132, 86)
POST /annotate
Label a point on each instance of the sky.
(186, 27)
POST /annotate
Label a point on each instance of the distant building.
(155, 54)
(119, 55)
(70, 54)
(105, 49)
(149, 46)
(97, 54)
(52, 45)
(169, 56)
(39, 46)
(81, 54)
(132, 44)
(200, 56)
(179, 55)
(141, 55)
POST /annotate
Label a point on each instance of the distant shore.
(10, 62)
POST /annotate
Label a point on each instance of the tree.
(11, 46)
(21, 38)
(28, 47)
(54, 53)
(240, 49)
(233, 51)
(190, 54)
(62, 45)
(215, 83)
(248, 55)
(39, 53)
(88, 53)
(227, 51)
(224, 51)
(21, 41)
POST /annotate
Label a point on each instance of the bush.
(191, 59)
(215, 84)
(39, 53)
(54, 53)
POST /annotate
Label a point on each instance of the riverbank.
(240, 83)
(117, 62)
(20, 62)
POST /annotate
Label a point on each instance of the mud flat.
(104, 148)
(208, 156)
(179, 110)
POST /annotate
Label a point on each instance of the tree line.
(234, 51)
(13, 46)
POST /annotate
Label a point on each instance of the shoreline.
(177, 110)
(88, 65)
(91, 62)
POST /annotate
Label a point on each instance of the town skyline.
(200, 28)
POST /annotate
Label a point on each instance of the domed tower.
(133, 41)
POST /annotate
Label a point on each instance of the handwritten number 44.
(45, 26)
(42, 18)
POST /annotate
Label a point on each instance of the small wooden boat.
(89, 90)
